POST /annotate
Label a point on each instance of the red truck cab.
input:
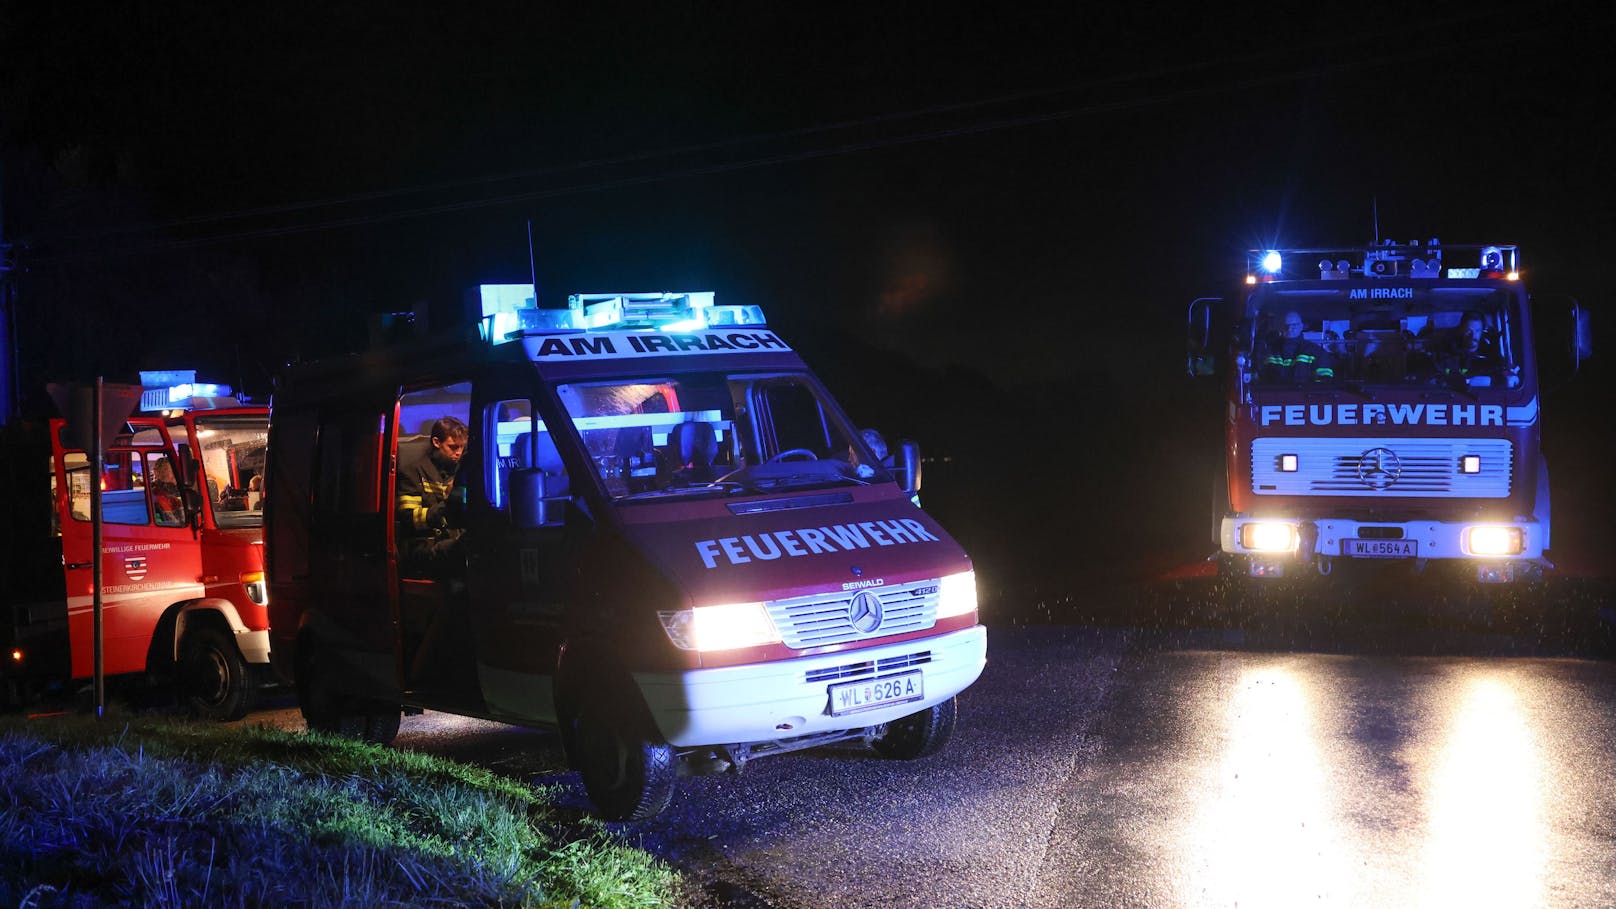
(183, 593)
(675, 548)
(1383, 410)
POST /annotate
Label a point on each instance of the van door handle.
(80, 564)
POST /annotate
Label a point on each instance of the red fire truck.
(675, 548)
(1384, 407)
(183, 592)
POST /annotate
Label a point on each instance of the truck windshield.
(232, 457)
(1389, 336)
(716, 433)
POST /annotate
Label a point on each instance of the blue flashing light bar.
(1390, 259)
(509, 312)
(177, 389)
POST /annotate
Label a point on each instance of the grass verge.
(166, 813)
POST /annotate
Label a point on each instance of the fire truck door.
(150, 557)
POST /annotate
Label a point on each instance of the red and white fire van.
(1383, 408)
(183, 592)
(674, 547)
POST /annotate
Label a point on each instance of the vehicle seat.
(692, 447)
(411, 449)
(545, 457)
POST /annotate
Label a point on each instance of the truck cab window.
(124, 490)
(1426, 337)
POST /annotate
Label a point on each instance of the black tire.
(628, 771)
(918, 734)
(325, 709)
(381, 724)
(215, 682)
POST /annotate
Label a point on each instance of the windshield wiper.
(804, 479)
(727, 487)
(1335, 391)
(1454, 390)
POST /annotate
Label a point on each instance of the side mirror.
(909, 468)
(1201, 361)
(1564, 338)
(1582, 341)
(531, 506)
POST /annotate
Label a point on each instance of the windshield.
(716, 433)
(232, 458)
(1467, 337)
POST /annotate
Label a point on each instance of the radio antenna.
(1374, 204)
(532, 266)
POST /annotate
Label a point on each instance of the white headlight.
(956, 595)
(1268, 536)
(1494, 541)
(724, 627)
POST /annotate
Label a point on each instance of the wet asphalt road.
(1284, 751)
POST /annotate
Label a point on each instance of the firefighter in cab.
(428, 545)
(1292, 358)
(1471, 360)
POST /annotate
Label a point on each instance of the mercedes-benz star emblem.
(1379, 468)
(864, 612)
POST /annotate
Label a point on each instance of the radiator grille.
(1382, 467)
(869, 667)
(822, 619)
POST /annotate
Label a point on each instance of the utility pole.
(8, 322)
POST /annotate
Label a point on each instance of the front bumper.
(764, 702)
(1325, 539)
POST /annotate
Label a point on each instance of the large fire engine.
(183, 592)
(1383, 406)
(674, 547)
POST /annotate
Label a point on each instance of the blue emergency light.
(177, 389)
(509, 312)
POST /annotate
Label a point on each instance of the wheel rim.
(210, 677)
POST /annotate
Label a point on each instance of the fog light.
(1268, 536)
(1494, 541)
(16, 656)
(1287, 463)
(1470, 464)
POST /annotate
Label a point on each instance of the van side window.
(296, 431)
(790, 413)
(507, 422)
(349, 464)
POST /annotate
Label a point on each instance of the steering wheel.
(794, 454)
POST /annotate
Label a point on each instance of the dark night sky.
(1027, 198)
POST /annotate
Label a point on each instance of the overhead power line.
(776, 159)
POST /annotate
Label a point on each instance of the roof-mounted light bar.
(1415, 259)
(178, 389)
(509, 312)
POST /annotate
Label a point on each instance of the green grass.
(164, 813)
